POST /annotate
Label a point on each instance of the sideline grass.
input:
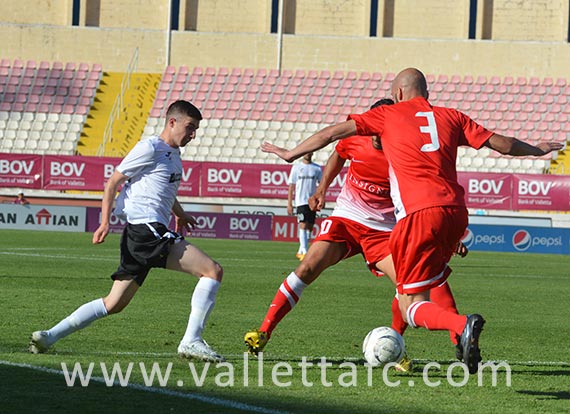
(45, 276)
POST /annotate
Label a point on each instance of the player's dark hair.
(178, 108)
(385, 101)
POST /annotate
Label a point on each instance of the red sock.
(284, 300)
(433, 317)
(442, 296)
(398, 323)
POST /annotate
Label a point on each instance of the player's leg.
(303, 240)
(442, 295)
(422, 244)
(306, 218)
(375, 248)
(320, 256)
(376, 251)
(184, 257)
(118, 298)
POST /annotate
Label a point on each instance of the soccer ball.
(383, 345)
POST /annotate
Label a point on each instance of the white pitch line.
(162, 391)
(60, 256)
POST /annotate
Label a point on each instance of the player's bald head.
(409, 83)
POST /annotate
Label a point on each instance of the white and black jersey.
(154, 169)
(305, 177)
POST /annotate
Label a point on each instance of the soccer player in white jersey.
(151, 174)
(303, 181)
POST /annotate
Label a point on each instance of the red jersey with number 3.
(420, 142)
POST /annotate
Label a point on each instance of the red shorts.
(373, 244)
(422, 244)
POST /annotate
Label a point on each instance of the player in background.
(360, 223)
(420, 142)
(302, 181)
(151, 174)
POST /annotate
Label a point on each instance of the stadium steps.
(94, 128)
(129, 127)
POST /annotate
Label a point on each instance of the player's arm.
(184, 221)
(315, 142)
(515, 147)
(290, 199)
(332, 168)
(116, 180)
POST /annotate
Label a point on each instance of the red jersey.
(365, 196)
(420, 142)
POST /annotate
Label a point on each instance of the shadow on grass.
(543, 372)
(26, 390)
(548, 395)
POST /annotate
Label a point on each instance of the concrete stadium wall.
(329, 18)
(250, 16)
(37, 12)
(114, 48)
(436, 19)
(529, 38)
(536, 20)
(539, 20)
(136, 14)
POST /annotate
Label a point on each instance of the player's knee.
(216, 272)
(114, 306)
(404, 310)
(306, 272)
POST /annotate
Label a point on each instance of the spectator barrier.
(495, 191)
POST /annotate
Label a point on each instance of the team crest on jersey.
(175, 177)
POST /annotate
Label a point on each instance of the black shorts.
(305, 214)
(144, 246)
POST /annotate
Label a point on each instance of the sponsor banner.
(487, 190)
(21, 171)
(286, 228)
(244, 180)
(62, 172)
(517, 239)
(541, 192)
(116, 224)
(482, 190)
(336, 185)
(231, 226)
(190, 182)
(39, 217)
(210, 225)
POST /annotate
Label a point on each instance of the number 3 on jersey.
(431, 129)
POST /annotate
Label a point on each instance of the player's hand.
(185, 224)
(290, 210)
(548, 147)
(274, 149)
(461, 250)
(317, 201)
(100, 234)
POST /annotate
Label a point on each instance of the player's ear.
(399, 95)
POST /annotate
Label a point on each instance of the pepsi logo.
(468, 238)
(522, 240)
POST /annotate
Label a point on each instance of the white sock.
(203, 301)
(303, 240)
(79, 319)
(296, 284)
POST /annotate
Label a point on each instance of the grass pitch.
(45, 276)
